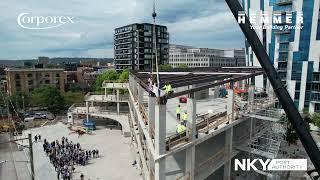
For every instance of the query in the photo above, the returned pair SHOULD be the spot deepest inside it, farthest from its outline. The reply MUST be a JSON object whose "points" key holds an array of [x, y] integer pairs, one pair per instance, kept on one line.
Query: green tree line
{"points": [[111, 76], [47, 97]]}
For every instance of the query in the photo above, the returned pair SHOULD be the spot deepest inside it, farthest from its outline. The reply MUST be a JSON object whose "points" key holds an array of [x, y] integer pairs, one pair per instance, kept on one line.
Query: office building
{"points": [[27, 80], [294, 51], [205, 57], [133, 46]]}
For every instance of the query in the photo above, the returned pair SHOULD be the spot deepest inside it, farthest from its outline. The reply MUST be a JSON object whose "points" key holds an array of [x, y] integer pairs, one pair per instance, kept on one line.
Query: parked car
{"points": [[43, 116], [27, 119], [28, 114], [37, 115]]}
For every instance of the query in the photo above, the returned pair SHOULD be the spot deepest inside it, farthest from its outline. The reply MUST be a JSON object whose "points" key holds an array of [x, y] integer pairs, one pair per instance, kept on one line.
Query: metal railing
{"points": [[101, 97], [113, 85], [214, 125]]}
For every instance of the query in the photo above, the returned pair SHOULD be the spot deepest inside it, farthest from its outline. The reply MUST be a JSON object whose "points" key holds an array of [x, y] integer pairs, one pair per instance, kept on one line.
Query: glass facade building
{"points": [[133, 46], [295, 51]]}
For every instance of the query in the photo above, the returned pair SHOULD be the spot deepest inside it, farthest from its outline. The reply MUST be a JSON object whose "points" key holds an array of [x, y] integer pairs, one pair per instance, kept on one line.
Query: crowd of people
{"points": [[65, 154]]}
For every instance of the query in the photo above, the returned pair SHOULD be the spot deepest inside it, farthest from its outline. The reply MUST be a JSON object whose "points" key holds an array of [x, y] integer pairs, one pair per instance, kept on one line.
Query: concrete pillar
{"points": [[203, 94], [228, 154], [229, 132], [140, 93], [216, 92], [160, 140], [87, 110], [191, 133], [192, 112], [250, 96], [134, 87], [311, 107], [118, 101], [151, 113], [230, 105], [252, 123]]}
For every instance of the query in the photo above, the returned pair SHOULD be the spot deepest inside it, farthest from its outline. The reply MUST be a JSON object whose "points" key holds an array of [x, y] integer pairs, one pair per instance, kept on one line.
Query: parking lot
{"points": [[38, 115]]}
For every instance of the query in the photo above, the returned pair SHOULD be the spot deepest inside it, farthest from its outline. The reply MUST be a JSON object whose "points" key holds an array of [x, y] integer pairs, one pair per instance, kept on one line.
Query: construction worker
{"points": [[181, 128], [185, 118], [178, 110], [167, 88]]}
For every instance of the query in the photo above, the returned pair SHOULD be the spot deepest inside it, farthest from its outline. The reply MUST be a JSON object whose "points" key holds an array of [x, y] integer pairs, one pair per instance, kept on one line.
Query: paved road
{"points": [[43, 167], [13, 165]]}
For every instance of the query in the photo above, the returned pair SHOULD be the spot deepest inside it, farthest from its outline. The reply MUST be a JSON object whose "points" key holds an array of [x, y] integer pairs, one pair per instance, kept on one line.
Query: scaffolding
{"points": [[267, 129]]}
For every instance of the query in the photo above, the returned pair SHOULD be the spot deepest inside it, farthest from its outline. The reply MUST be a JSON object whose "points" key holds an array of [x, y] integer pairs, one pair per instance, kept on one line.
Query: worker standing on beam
{"points": [[185, 118], [181, 128], [167, 88], [178, 110]]}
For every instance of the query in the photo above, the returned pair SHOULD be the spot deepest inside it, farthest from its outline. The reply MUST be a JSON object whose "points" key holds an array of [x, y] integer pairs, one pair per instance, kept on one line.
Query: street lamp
{"points": [[22, 103]]}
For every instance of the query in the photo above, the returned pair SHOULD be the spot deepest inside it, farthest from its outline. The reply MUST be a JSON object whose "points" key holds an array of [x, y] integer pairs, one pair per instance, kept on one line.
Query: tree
{"points": [[20, 100], [290, 136], [306, 116], [110, 75], [315, 118], [72, 97], [28, 64], [124, 76], [49, 97], [51, 66], [182, 66], [165, 67]]}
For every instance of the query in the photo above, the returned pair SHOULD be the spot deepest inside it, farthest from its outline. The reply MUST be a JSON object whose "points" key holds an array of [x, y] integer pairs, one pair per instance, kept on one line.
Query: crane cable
{"points": [[154, 15]]}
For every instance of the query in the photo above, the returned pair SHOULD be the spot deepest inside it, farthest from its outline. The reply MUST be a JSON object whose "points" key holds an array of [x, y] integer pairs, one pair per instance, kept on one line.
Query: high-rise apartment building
{"points": [[133, 46], [205, 57], [293, 50]]}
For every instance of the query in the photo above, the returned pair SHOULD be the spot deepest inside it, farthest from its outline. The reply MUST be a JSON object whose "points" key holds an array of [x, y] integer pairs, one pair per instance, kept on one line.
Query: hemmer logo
{"points": [[277, 20], [27, 21], [271, 165]]}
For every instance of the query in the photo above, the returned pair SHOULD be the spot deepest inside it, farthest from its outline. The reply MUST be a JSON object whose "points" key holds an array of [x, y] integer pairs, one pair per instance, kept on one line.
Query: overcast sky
{"points": [[201, 23]]}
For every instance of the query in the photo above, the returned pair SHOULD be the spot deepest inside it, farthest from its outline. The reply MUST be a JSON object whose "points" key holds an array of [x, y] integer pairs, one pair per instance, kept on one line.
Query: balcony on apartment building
{"points": [[283, 31], [282, 69], [282, 59], [284, 2]]}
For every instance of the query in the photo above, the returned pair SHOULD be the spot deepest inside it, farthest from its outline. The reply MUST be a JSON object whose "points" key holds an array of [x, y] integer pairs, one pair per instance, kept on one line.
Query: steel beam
{"points": [[199, 80], [235, 79], [208, 69]]}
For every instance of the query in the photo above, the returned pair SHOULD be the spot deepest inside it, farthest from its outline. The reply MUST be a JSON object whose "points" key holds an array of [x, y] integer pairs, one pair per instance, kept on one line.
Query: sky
{"points": [[199, 23]]}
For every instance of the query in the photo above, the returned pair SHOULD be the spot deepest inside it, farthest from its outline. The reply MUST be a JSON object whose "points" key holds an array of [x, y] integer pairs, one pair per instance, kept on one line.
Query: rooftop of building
{"points": [[32, 69], [178, 46], [140, 24]]}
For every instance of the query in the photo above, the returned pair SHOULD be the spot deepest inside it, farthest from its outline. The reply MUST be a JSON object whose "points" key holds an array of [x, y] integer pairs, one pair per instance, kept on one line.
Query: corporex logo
{"points": [[26, 21]]}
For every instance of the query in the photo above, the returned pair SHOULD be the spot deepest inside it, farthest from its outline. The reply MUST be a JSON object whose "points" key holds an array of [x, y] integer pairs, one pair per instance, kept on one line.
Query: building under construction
{"points": [[244, 122], [228, 118]]}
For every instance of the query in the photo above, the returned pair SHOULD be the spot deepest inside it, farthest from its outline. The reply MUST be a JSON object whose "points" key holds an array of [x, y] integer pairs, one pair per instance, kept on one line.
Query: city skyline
{"points": [[91, 35]]}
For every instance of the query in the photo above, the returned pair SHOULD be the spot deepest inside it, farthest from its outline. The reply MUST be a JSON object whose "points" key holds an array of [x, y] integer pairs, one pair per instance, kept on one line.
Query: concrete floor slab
{"points": [[114, 163], [212, 105]]}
